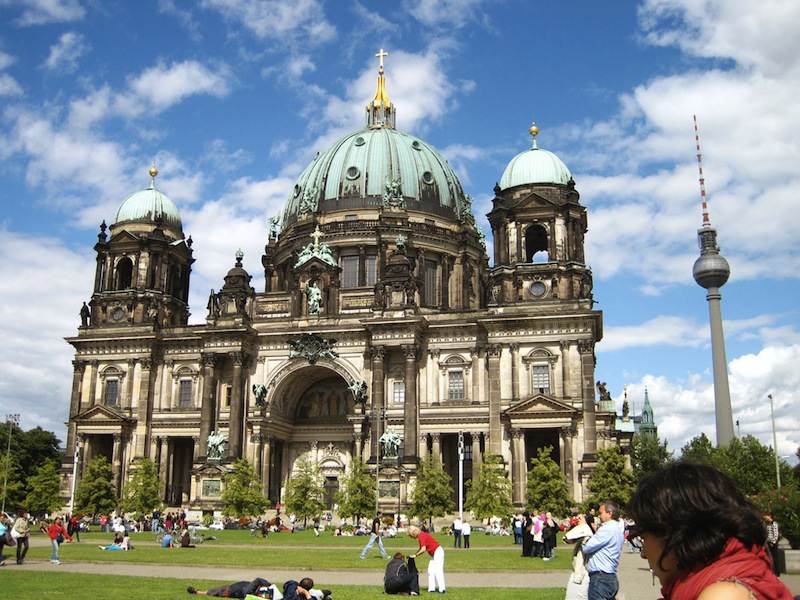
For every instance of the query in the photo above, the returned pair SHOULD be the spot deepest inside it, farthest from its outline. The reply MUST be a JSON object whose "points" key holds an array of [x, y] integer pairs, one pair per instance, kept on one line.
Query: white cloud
{"points": [[42, 12], [275, 20], [36, 360], [9, 86], [446, 14], [162, 86], [685, 409], [65, 54]]}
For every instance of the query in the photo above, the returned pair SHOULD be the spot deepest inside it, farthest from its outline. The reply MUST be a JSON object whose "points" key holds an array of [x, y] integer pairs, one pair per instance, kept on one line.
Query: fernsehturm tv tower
{"points": [[711, 271]]}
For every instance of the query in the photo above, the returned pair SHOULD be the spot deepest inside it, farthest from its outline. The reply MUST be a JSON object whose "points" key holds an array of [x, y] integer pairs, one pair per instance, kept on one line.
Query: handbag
{"points": [[412, 565], [9, 539], [60, 539]]}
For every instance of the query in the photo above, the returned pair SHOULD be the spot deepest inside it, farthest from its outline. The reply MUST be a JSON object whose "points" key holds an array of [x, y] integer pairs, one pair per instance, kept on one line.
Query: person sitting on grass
{"points": [[398, 579], [168, 541], [120, 543]]}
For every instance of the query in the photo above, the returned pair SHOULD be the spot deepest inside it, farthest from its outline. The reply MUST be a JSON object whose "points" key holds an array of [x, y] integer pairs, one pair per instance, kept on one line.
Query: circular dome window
{"points": [[353, 173], [416, 145], [359, 141], [427, 177]]}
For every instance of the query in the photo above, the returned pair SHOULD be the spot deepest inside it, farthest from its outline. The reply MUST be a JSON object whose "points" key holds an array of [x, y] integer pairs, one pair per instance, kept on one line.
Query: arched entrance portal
{"points": [[315, 418]]}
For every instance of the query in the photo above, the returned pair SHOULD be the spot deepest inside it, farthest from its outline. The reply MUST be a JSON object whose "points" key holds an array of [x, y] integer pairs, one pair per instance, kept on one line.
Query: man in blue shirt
{"points": [[604, 549]]}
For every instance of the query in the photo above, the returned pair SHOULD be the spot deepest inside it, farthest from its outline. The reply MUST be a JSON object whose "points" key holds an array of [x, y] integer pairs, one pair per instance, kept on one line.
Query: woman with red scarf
{"points": [[703, 539]]}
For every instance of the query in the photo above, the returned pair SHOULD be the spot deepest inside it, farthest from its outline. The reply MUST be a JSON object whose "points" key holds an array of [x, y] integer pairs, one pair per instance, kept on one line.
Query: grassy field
{"points": [[74, 586], [304, 550], [301, 550]]}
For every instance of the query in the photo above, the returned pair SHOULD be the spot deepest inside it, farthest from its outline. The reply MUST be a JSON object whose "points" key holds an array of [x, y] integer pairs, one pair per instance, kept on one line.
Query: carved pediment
{"points": [[100, 415], [212, 471], [123, 236], [539, 405]]}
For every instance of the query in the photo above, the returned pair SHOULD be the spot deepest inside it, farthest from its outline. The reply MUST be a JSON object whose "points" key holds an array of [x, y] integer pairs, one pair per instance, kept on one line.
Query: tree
{"points": [[44, 495], [304, 492], [357, 496], [11, 479], [612, 479], [746, 460], [699, 449], [432, 495], [28, 451], [648, 455], [547, 487], [489, 494], [242, 495], [95, 494], [140, 495]]}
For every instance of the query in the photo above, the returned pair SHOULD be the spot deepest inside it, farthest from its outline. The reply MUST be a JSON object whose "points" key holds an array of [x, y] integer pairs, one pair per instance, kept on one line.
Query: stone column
{"points": [[169, 385], [144, 409], [436, 446], [567, 437], [434, 377], [127, 401], [163, 466], [78, 367], [423, 445], [207, 409], [495, 428], [477, 459], [514, 371], [476, 375], [518, 466], [266, 463], [358, 439], [93, 378], [236, 425], [410, 425], [378, 354], [586, 350], [565, 379], [116, 463]]}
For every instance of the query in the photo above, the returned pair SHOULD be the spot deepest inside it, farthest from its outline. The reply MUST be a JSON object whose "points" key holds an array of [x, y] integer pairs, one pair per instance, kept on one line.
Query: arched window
{"points": [[539, 364], [535, 241], [124, 273]]}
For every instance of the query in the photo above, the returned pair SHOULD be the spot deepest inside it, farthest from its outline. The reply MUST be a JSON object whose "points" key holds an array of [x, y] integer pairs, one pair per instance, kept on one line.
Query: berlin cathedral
{"points": [[381, 320]]}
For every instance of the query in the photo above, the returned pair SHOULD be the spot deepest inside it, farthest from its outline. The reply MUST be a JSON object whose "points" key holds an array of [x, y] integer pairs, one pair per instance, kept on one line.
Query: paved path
{"points": [[636, 583]]}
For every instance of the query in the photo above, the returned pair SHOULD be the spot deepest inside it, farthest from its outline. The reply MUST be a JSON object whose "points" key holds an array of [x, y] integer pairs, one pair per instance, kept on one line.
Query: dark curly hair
{"points": [[695, 509]]}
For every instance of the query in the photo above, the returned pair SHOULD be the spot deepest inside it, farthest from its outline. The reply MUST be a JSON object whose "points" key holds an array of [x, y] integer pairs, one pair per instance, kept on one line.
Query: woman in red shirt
{"points": [[53, 531], [436, 565]]}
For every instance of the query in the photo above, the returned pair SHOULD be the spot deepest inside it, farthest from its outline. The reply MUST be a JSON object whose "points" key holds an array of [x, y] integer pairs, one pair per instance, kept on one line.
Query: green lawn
{"points": [[304, 550], [38, 584]]}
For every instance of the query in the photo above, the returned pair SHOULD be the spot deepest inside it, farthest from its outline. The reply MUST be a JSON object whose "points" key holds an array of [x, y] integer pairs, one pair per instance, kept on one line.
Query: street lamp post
{"points": [[379, 414], [461, 475], [775, 442], [13, 421]]}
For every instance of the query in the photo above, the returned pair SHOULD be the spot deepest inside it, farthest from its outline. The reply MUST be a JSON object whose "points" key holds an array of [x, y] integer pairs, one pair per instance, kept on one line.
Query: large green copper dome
{"points": [[376, 166]]}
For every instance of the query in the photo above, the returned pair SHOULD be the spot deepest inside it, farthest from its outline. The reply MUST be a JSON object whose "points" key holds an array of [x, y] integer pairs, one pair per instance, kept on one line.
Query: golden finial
{"points": [[534, 131], [153, 171]]}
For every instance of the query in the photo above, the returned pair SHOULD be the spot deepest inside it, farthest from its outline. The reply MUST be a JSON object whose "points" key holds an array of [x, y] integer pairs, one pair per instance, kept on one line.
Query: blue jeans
{"points": [[371, 542], [55, 550], [603, 586]]}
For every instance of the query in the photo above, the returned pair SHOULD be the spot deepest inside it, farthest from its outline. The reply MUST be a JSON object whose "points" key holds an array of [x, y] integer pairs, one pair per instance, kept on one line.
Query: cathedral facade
{"points": [[382, 332]]}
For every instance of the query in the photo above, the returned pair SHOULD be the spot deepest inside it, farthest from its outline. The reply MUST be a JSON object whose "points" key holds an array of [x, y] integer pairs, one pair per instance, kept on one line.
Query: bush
{"points": [[784, 504]]}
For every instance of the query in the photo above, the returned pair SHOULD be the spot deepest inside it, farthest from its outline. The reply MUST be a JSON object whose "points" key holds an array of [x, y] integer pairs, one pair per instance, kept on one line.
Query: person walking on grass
{"points": [[54, 531], [375, 534]]}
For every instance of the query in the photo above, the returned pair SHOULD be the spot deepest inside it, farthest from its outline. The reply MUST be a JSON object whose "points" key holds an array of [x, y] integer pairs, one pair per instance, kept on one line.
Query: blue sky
{"points": [[232, 98]]}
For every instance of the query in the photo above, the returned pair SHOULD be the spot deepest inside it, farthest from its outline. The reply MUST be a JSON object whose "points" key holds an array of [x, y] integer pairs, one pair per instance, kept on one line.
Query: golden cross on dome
{"points": [[316, 235], [380, 55]]}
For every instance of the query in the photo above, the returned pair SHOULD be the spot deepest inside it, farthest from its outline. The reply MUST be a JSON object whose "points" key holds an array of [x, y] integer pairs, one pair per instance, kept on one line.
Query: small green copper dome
{"points": [[149, 206], [534, 166]]}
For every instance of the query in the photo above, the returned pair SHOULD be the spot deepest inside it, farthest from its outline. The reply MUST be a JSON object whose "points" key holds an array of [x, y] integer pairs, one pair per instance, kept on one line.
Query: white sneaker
{"points": [[56, 562]]}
